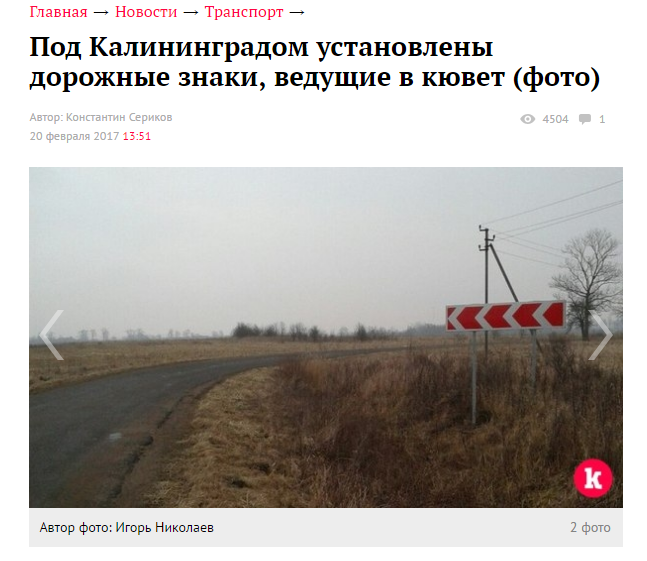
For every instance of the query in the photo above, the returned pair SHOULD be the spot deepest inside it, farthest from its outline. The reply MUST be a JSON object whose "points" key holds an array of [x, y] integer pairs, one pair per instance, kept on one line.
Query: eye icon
{"points": [[527, 119]]}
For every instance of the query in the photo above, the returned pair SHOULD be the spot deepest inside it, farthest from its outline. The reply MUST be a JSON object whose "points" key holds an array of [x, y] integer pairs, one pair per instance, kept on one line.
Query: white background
{"points": [[342, 127]]}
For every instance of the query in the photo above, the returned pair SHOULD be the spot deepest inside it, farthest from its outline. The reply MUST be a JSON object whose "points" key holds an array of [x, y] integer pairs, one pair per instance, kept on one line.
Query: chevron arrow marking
{"points": [[510, 315]]}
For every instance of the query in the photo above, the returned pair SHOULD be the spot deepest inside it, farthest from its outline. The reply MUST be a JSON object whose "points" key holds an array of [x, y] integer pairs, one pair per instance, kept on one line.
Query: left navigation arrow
{"points": [[43, 335]]}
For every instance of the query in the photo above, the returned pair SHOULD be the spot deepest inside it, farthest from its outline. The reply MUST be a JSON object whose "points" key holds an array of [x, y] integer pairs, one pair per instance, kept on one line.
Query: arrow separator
{"points": [[539, 314], [452, 318], [508, 316], [450, 326], [604, 342], [479, 317], [43, 335]]}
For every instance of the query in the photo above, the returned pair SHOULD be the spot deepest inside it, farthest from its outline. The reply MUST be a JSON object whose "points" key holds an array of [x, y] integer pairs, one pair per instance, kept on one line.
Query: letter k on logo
{"points": [[593, 478]]}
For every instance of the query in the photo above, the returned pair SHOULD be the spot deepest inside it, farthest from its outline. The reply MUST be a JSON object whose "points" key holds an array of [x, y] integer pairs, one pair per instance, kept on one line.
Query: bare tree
{"points": [[361, 333], [592, 280], [314, 333], [298, 332]]}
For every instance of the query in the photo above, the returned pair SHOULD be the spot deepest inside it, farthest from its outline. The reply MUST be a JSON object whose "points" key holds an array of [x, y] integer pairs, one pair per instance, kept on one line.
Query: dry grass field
{"points": [[236, 453], [394, 431], [86, 360]]}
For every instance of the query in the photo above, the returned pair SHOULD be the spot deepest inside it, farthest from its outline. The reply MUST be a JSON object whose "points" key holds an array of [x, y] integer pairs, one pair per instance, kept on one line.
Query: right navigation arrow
{"points": [[604, 342]]}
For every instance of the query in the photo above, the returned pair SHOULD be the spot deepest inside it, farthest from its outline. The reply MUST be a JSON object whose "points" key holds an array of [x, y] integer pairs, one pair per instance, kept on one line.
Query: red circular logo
{"points": [[593, 478]]}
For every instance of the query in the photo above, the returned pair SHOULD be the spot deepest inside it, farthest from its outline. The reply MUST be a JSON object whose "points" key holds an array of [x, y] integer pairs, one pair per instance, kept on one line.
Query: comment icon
{"points": [[585, 118]]}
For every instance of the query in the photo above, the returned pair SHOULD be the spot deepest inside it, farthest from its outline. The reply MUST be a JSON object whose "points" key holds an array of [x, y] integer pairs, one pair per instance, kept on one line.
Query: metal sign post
{"points": [[506, 316], [474, 377], [533, 357]]}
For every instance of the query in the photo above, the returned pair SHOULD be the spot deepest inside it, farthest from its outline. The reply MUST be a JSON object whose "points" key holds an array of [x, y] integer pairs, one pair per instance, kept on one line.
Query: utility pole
{"points": [[533, 332], [505, 276], [486, 249]]}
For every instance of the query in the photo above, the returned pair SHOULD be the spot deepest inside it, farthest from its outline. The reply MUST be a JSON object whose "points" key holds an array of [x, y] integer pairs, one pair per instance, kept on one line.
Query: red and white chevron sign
{"points": [[515, 315]]}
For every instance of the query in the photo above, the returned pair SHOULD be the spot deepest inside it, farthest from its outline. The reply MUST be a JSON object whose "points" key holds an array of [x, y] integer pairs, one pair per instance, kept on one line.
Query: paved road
{"points": [[85, 438]]}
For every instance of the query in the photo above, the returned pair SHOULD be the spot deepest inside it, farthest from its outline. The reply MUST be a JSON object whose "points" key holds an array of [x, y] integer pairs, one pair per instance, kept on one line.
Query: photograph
{"points": [[325, 337]]}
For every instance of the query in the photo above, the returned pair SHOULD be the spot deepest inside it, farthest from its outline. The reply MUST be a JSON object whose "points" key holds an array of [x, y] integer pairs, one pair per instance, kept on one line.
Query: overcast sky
{"points": [[202, 249]]}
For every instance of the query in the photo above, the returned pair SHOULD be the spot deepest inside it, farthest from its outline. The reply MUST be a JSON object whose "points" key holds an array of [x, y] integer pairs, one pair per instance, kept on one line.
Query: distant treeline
{"points": [[293, 332], [300, 332]]}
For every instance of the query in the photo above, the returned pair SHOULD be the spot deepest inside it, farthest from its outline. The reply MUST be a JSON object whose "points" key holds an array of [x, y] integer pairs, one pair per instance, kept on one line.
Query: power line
{"points": [[529, 259], [559, 220], [552, 253], [553, 222], [498, 232], [568, 218], [555, 202]]}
